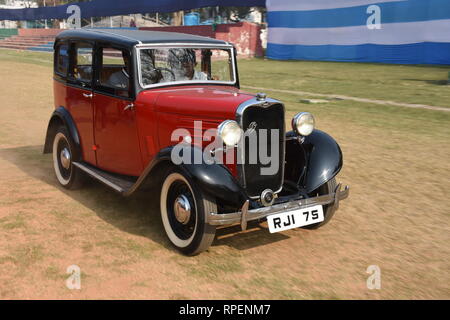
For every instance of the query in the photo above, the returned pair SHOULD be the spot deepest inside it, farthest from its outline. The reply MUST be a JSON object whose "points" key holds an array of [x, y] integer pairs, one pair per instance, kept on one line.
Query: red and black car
{"points": [[145, 111]]}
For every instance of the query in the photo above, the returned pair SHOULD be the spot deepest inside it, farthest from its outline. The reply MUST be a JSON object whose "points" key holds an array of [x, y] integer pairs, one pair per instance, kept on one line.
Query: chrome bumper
{"points": [[246, 215]]}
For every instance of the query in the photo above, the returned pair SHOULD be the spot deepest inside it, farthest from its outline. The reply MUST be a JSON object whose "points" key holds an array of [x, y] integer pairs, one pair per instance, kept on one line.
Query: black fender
{"points": [[213, 179], [314, 161], [62, 116]]}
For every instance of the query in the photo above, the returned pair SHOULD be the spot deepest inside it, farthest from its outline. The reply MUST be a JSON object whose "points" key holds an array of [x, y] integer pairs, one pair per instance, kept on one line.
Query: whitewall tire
{"points": [[66, 173], [183, 213]]}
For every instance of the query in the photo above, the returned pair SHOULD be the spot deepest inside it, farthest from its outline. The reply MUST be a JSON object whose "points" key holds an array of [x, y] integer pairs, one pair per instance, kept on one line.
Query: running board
{"points": [[119, 183]]}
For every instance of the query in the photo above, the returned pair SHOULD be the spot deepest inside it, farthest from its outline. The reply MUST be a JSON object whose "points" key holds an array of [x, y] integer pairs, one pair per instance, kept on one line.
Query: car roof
{"points": [[135, 37]]}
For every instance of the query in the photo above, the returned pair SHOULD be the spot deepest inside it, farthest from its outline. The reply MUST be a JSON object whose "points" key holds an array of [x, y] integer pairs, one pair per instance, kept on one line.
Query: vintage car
{"points": [[145, 111]]}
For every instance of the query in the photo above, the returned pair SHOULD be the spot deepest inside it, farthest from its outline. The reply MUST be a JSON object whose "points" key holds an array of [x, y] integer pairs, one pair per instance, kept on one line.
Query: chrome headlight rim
{"points": [[303, 123], [221, 132]]}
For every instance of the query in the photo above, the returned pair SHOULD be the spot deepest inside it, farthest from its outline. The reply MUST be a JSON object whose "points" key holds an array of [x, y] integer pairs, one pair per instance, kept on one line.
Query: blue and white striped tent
{"points": [[389, 31]]}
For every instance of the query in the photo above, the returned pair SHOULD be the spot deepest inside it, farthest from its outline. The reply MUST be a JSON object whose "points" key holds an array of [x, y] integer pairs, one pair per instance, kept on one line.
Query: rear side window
{"points": [[115, 69], [114, 75], [62, 59], [82, 64]]}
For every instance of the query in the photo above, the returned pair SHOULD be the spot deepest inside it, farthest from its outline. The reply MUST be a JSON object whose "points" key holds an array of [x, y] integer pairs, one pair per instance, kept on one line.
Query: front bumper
{"points": [[245, 215]]}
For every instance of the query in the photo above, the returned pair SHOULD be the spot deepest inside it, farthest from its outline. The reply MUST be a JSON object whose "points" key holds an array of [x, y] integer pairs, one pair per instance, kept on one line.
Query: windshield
{"points": [[185, 65]]}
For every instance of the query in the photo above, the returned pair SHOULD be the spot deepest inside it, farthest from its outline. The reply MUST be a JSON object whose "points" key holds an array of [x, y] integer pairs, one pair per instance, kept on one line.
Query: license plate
{"points": [[295, 218]]}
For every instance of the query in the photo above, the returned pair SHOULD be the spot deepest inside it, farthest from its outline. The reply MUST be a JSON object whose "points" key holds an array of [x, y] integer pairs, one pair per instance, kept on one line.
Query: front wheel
{"points": [[328, 210], [183, 212]]}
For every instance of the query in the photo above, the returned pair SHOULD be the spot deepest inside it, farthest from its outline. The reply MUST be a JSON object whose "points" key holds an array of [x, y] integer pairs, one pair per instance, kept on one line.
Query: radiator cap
{"points": [[260, 96]]}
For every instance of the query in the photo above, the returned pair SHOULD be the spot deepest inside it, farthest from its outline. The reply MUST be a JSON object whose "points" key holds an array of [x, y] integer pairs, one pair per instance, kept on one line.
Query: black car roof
{"points": [[134, 37]]}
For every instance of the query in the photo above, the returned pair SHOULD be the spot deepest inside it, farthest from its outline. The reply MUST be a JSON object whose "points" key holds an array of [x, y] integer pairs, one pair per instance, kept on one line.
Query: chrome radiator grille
{"points": [[254, 118]]}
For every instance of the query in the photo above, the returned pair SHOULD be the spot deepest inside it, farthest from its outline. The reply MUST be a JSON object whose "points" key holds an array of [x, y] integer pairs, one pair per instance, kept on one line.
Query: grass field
{"points": [[397, 217], [410, 84]]}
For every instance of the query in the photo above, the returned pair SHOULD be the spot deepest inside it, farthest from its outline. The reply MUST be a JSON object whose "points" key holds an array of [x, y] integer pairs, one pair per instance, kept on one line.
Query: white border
{"points": [[389, 34], [313, 5]]}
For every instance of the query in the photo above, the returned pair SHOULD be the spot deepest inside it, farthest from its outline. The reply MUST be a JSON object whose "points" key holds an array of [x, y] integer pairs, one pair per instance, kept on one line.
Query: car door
{"points": [[115, 129], [79, 95]]}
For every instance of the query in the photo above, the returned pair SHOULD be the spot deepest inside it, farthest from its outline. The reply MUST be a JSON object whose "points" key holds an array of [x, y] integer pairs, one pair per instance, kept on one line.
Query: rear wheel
{"points": [[328, 210], [183, 212], [68, 175]]}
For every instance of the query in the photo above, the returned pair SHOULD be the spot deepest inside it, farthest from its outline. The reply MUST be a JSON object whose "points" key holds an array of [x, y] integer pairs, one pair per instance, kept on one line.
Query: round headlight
{"points": [[230, 132], [303, 123]]}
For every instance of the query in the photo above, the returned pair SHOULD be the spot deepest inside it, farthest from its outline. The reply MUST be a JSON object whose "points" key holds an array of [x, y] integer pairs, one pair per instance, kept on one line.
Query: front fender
{"points": [[316, 160], [213, 179]]}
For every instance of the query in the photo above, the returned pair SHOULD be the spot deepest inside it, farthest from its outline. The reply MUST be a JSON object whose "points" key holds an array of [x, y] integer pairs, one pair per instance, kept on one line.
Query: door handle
{"points": [[129, 107], [88, 95]]}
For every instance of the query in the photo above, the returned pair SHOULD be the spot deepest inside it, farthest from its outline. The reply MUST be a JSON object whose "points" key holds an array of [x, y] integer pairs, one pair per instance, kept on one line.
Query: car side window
{"points": [[81, 68], [114, 73], [62, 60]]}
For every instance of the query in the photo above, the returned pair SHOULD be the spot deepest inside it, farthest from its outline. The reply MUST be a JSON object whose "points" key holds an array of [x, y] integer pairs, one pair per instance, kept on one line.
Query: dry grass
{"points": [[397, 217]]}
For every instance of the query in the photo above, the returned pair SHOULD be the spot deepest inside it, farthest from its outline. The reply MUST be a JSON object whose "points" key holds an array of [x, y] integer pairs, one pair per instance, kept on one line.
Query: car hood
{"points": [[212, 102]]}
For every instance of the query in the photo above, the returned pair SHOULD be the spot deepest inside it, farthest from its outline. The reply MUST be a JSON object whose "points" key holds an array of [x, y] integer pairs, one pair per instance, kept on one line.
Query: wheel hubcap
{"points": [[182, 209], [65, 158]]}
